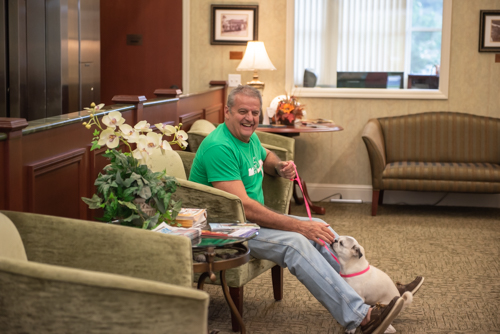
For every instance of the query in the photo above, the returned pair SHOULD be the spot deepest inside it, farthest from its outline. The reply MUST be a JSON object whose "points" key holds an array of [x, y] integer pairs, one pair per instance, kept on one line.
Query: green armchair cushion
{"points": [[122, 250], [86, 277]]}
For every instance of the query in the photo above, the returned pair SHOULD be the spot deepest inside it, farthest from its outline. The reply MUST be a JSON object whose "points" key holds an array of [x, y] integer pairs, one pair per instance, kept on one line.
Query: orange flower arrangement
{"points": [[288, 110]]}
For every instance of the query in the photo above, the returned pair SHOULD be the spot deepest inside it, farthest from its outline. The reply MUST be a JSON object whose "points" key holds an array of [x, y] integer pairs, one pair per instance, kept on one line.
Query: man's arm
{"points": [[275, 167], [259, 214]]}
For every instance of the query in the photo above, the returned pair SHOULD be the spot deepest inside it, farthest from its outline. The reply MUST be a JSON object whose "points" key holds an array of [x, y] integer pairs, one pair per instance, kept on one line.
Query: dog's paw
{"points": [[390, 329], [350, 331]]}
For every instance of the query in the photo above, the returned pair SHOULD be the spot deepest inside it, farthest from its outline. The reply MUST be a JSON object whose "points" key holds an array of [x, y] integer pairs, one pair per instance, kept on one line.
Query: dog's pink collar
{"points": [[358, 273]]}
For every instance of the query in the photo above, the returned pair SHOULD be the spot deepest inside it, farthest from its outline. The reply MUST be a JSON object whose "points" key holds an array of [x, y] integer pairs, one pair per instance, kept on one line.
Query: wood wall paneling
{"points": [[213, 113], [56, 185], [140, 69], [3, 174], [48, 170], [162, 112], [189, 118]]}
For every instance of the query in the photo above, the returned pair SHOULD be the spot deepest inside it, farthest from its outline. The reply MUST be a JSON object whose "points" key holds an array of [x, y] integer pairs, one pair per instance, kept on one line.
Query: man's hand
{"points": [[314, 231], [286, 169]]}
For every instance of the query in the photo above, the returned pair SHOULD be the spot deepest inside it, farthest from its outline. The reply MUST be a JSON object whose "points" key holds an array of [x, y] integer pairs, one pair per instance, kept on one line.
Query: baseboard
{"points": [[321, 192]]}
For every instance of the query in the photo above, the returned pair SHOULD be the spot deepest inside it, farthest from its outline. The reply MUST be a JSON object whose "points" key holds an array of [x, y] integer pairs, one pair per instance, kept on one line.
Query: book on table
{"points": [[231, 230], [192, 233], [188, 217]]}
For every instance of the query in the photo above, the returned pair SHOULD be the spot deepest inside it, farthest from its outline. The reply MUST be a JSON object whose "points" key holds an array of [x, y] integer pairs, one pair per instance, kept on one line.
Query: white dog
{"points": [[372, 285]]}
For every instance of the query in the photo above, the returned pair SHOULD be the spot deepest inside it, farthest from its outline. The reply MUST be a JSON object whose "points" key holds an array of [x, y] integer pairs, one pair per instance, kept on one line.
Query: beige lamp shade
{"points": [[255, 59]]}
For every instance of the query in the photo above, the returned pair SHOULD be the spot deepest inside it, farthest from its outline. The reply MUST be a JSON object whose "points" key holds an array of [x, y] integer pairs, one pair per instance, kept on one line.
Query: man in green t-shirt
{"points": [[232, 159]]}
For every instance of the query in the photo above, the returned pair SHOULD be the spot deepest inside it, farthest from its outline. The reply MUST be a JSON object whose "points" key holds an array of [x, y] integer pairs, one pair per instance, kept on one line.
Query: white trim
{"points": [[318, 191], [185, 45], [422, 94]]}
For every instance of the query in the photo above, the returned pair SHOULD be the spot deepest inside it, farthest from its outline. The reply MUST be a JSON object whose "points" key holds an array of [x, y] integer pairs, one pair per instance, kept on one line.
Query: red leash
{"points": [[297, 178]]}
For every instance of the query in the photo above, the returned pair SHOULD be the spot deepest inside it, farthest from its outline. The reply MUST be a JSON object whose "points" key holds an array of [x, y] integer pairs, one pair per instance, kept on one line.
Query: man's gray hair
{"points": [[243, 90]]}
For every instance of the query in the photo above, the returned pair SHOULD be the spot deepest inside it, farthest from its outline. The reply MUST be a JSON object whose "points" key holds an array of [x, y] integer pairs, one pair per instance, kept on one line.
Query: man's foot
{"points": [[382, 316], [412, 287]]}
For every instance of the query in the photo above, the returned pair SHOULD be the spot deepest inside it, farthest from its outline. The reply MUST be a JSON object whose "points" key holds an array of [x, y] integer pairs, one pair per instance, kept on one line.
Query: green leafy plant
{"points": [[128, 190]]}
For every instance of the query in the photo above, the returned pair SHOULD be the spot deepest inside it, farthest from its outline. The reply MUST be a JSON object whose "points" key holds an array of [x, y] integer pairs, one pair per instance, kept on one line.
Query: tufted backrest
{"points": [[441, 137], [11, 245]]}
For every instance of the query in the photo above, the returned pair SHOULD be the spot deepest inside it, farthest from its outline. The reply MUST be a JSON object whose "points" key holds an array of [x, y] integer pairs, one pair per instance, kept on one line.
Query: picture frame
{"points": [[233, 24], [489, 31]]}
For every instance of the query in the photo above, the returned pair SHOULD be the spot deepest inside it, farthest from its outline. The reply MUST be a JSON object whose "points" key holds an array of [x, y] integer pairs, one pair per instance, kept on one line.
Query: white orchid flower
{"points": [[142, 126], [129, 133], [94, 107], [182, 137], [109, 138], [141, 155], [113, 119], [154, 140], [166, 129]]}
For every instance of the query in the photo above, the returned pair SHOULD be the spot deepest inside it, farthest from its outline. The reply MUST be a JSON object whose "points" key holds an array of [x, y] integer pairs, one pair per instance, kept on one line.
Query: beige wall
{"points": [[341, 158]]}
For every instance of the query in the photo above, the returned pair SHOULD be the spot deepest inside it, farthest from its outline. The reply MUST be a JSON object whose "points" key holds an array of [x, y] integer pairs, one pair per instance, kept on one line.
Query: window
{"points": [[389, 40]]}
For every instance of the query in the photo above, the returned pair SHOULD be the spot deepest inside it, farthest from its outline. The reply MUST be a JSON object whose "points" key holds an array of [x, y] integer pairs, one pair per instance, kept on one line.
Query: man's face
{"points": [[243, 118]]}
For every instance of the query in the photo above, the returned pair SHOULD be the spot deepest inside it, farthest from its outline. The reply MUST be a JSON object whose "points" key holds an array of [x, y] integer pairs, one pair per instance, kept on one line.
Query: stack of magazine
{"points": [[192, 233], [232, 230]]}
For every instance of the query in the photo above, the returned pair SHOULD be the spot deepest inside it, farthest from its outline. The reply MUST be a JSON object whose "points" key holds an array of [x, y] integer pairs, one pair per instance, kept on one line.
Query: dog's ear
{"points": [[357, 251]]}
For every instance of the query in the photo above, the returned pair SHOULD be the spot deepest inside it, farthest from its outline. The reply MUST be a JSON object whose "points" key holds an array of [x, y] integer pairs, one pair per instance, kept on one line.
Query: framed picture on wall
{"points": [[489, 31], [234, 24]]}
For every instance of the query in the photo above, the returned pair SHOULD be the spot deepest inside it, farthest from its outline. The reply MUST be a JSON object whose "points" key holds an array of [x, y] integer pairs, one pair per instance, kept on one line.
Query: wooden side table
{"points": [[212, 249], [295, 130]]}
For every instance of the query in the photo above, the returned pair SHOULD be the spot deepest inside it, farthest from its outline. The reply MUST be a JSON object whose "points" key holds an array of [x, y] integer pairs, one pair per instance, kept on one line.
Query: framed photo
{"points": [[489, 31], [234, 24]]}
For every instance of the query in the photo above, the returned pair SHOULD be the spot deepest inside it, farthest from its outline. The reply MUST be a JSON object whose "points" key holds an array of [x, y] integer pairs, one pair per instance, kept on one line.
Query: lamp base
{"points": [[256, 83]]}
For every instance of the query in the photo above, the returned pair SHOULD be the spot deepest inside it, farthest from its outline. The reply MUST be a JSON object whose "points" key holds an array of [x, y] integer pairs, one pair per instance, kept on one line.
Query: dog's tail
{"points": [[408, 298]]}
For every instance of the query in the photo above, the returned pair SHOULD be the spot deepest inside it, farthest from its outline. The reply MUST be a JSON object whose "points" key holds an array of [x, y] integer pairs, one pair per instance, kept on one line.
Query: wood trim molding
{"points": [[190, 118], [129, 98], [52, 164], [161, 92]]}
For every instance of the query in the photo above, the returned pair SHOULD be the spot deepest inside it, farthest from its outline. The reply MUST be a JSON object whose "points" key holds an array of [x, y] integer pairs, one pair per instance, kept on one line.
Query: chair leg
{"points": [[277, 278], [237, 297], [381, 198], [375, 197]]}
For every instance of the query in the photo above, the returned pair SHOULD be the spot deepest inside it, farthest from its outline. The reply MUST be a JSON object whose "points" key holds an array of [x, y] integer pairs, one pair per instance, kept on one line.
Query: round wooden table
{"points": [[210, 247]]}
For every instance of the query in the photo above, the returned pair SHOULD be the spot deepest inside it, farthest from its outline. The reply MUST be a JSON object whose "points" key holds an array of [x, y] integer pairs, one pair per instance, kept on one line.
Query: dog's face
{"points": [[348, 248]]}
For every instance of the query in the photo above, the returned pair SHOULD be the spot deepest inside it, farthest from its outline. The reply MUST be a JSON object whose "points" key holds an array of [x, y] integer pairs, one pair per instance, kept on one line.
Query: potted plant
{"points": [[129, 191]]}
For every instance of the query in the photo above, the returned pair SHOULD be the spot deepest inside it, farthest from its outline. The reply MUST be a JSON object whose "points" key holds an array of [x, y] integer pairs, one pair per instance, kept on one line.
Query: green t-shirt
{"points": [[222, 157]]}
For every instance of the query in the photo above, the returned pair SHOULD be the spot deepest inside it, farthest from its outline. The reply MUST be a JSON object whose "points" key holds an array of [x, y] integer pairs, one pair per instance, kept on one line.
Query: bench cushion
{"points": [[451, 171]]}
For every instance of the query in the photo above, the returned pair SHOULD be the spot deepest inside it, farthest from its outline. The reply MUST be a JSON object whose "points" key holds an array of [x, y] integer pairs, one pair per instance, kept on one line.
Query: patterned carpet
{"points": [[457, 250]]}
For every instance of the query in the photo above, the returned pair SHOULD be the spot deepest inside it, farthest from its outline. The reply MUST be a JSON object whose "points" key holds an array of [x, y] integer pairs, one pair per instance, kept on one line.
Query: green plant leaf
{"points": [[131, 217], [94, 202], [95, 145], [129, 205], [145, 192], [176, 208]]}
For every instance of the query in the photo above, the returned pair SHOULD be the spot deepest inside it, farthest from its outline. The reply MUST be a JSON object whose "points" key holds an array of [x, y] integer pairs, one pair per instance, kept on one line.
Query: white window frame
{"points": [[360, 93]]}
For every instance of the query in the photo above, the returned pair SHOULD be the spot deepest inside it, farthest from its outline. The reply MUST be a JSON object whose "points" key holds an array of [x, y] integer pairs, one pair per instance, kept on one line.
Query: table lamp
{"points": [[255, 59]]}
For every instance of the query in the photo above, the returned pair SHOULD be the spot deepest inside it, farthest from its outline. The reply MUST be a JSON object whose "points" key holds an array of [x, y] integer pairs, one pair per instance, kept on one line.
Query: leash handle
{"points": [[297, 178]]}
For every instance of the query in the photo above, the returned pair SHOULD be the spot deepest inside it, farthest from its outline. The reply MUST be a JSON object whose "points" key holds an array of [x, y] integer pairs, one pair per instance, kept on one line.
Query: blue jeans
{"points": [[314, 267]]}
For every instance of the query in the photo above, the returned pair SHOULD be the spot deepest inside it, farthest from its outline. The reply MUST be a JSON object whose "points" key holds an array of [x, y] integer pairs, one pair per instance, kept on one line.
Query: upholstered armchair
{"points": [[223, 205], [61, 275]]}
